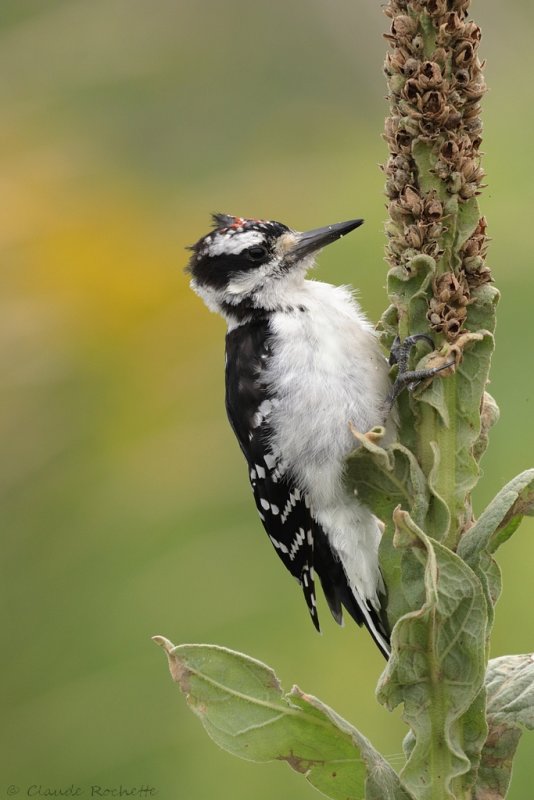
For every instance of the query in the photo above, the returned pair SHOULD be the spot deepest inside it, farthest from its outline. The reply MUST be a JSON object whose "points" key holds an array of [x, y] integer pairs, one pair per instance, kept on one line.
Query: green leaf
{"points": [[494, 526], [510, 685], [510, 707], [407, 288], [448, 443], [482, 308], [386, 478], [425, 159], [403, 576], [489, 416], [468, 219], [242, 707], [437, 667], [382, 782], [500, 519]]}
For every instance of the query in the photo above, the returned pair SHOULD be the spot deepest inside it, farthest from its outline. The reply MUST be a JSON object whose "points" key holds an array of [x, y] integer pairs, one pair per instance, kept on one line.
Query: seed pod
{"points": [[436, 7], [410, 67], [472, 31], [411, 90], [435, 99], [403, 27], [464, 53], [417, 45], [430, 75]]}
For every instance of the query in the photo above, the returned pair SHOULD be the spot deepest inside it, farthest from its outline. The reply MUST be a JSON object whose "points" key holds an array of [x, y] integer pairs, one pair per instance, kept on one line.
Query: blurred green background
{"points": [[124, 499]]}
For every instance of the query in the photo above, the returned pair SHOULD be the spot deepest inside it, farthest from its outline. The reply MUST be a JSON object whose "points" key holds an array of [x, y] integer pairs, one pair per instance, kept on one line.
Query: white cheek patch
{"points": [[233, 242]]}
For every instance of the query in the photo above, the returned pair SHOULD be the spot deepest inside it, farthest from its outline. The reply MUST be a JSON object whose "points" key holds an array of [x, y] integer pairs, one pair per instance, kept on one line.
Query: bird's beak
{"points": [[311, 241]]}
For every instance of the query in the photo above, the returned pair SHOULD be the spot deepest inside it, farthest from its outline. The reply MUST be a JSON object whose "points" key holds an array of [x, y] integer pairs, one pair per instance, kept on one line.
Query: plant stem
{"points": [[434, 175], [439, 284]]}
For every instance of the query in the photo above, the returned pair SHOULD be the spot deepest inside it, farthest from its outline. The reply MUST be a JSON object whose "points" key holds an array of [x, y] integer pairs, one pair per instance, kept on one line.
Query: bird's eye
{"points": [[257, 252]]}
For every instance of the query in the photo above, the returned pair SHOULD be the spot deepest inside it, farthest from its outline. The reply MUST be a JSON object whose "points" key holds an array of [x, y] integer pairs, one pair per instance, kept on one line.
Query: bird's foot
{"points": [[406, 378]]}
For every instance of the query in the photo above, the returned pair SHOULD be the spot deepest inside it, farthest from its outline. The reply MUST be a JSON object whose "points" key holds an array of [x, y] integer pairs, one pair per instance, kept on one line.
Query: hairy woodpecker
{"points": [[302, 363]]}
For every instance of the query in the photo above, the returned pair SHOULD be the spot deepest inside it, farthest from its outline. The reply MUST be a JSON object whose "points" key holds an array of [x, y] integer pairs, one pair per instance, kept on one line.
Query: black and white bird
{"points": [[302, 364]]}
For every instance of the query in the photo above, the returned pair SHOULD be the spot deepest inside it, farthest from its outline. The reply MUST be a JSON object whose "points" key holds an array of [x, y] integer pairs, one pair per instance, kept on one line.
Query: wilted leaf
{"points": [[437, 665], [242, 707], [510, 707], [489, 416]]}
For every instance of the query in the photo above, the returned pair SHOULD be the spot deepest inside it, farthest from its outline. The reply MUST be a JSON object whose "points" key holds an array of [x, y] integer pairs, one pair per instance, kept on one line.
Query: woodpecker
{"points": [[303, 363]]}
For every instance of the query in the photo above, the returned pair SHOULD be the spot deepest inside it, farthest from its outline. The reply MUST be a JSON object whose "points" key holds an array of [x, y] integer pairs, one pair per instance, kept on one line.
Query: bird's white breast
{"points": [[327, 371]]}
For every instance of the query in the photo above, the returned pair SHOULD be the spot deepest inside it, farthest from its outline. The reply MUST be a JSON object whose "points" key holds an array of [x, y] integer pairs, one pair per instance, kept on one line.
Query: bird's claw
{"points": [[406, 378]]}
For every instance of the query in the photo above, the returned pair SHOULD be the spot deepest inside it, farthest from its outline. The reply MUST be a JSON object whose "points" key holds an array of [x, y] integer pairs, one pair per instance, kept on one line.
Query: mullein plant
{"points": [[465, 714]]}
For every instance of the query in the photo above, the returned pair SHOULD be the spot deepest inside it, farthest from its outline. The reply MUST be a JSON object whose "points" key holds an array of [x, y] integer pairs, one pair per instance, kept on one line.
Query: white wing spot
{"points": [[275, 509], [260, 471], [286, 511], [264, 504], [297, 542], [279, 545]]}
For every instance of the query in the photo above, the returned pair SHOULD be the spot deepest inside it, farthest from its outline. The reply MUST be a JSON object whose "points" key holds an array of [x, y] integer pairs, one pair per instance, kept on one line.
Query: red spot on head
{"points": [[241, 222], [238, 222]]}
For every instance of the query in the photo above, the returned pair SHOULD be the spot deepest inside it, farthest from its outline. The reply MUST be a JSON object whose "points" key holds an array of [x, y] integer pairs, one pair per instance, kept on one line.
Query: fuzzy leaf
{"points": [[447, 436], [468, 219], [437, 666], [510, 707], [494, 526], [449, 455], [510, 685], [489, 416], [481, 315], [425, 159], [407, 288], [384, 479], [500, 519], [243, 708]]}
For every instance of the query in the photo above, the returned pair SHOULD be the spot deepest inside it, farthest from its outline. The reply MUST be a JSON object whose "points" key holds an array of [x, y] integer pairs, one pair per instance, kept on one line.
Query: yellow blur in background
{"points": [[125, 510]]}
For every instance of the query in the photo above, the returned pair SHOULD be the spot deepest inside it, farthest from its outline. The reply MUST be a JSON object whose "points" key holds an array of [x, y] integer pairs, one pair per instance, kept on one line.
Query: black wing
{"points": [[297, 537]]}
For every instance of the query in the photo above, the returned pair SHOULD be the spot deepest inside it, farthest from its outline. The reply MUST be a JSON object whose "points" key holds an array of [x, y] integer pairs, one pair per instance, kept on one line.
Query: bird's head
{"points": [[248, 266]]}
